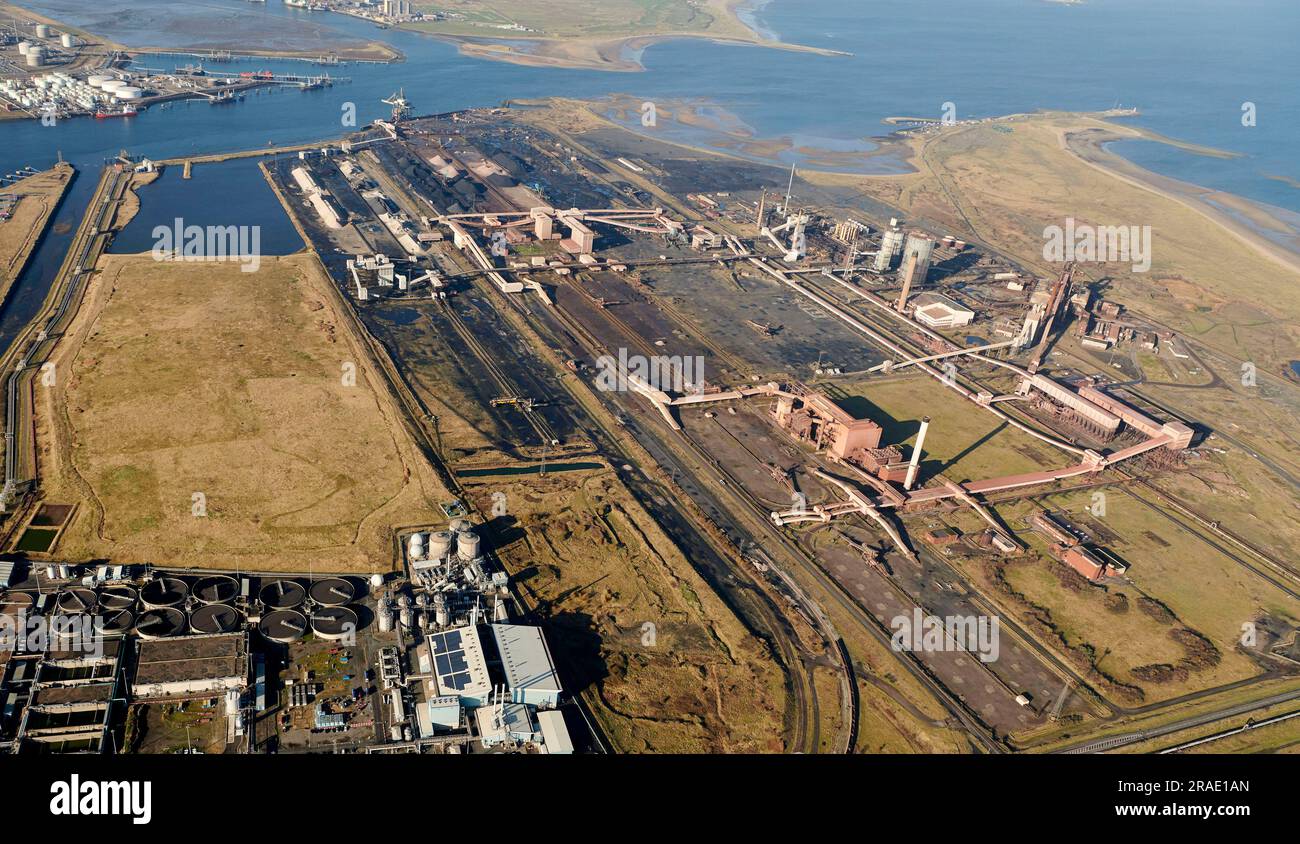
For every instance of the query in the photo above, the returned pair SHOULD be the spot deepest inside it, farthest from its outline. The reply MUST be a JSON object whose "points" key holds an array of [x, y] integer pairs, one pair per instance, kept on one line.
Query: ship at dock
{"points": [[126, 110]]}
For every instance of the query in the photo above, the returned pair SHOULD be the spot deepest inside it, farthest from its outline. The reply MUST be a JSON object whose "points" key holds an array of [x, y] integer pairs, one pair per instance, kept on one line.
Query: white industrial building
{"points": [[934, 310], [527, 665]]}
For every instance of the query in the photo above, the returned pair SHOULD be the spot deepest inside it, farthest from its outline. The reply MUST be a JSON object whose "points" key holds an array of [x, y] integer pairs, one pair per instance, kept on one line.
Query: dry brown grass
{"points": [[197, 378], [600, 569]]}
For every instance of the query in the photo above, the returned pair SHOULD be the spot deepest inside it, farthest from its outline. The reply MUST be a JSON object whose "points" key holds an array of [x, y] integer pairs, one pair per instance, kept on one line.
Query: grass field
{"points": [[963, 443], [1207, 591], [207, 420]]}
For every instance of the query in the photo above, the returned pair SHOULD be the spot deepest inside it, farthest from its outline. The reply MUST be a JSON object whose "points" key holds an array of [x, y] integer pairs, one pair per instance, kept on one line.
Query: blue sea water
{"points": [[1189, 65]]}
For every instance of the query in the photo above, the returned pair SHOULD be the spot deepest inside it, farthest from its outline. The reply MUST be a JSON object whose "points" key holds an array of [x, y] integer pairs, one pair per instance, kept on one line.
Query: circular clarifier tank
{"points": [[334, 623], [161, 622], [283, 594], [117, 621], [214, 618], [76, 600], [283, 626], [164, 592], [216, 589], [332, 592], [117, 597]]}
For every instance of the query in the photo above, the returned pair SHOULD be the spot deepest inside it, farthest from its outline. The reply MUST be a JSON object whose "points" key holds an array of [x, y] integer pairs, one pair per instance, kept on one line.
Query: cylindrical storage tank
{"points": [[164, 592], [42, 30], [440, 613], [415, 546], [385, 615], [112, 85], [23, 47], [129, 92], [36, 57], [467, 545], [376, 581], [439, 544], [98, 80], [68, 40]]}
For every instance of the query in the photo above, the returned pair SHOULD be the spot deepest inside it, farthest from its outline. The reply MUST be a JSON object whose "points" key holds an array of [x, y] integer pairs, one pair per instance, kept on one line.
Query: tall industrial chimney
{"points": [[915, 463]]}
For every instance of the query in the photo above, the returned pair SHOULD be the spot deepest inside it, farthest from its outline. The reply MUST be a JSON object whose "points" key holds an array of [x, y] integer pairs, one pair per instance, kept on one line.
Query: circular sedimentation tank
{"points": [[332, 592], [215, 589], [117, 621], [164, 592], [117, 597], [76, 600], [214, 618], [13, 603], [161, 622], [283, 626], [334, 623], [283, 594]]}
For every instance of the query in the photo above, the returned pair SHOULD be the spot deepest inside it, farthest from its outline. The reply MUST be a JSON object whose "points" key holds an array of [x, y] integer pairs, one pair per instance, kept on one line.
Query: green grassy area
{"points": [[963, 443]]}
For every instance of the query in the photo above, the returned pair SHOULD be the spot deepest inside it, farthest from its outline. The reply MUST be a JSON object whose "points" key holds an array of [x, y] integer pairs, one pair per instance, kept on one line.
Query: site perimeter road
{"points": [[38, 339], [1113, 742]]}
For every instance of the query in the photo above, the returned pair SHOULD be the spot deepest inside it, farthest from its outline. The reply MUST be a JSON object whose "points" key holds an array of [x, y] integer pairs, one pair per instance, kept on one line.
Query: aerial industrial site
{"points": [[565, 424]]}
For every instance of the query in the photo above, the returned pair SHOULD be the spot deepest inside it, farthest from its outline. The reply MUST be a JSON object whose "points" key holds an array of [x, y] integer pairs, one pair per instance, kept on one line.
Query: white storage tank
{"points": [[68, 40], [35, 56], [23, 47], [113, 85], [415, 547], [98, 80], [42, 30], [439, 544], [467, 545], [129, 92]]}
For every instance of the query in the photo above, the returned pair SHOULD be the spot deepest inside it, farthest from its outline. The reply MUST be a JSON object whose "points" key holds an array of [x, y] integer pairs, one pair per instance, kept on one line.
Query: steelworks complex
{"points": [[503, 232]]}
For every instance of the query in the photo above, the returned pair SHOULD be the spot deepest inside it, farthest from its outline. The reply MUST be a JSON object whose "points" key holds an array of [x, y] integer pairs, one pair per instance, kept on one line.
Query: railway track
{"points": [[40, 336]]}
